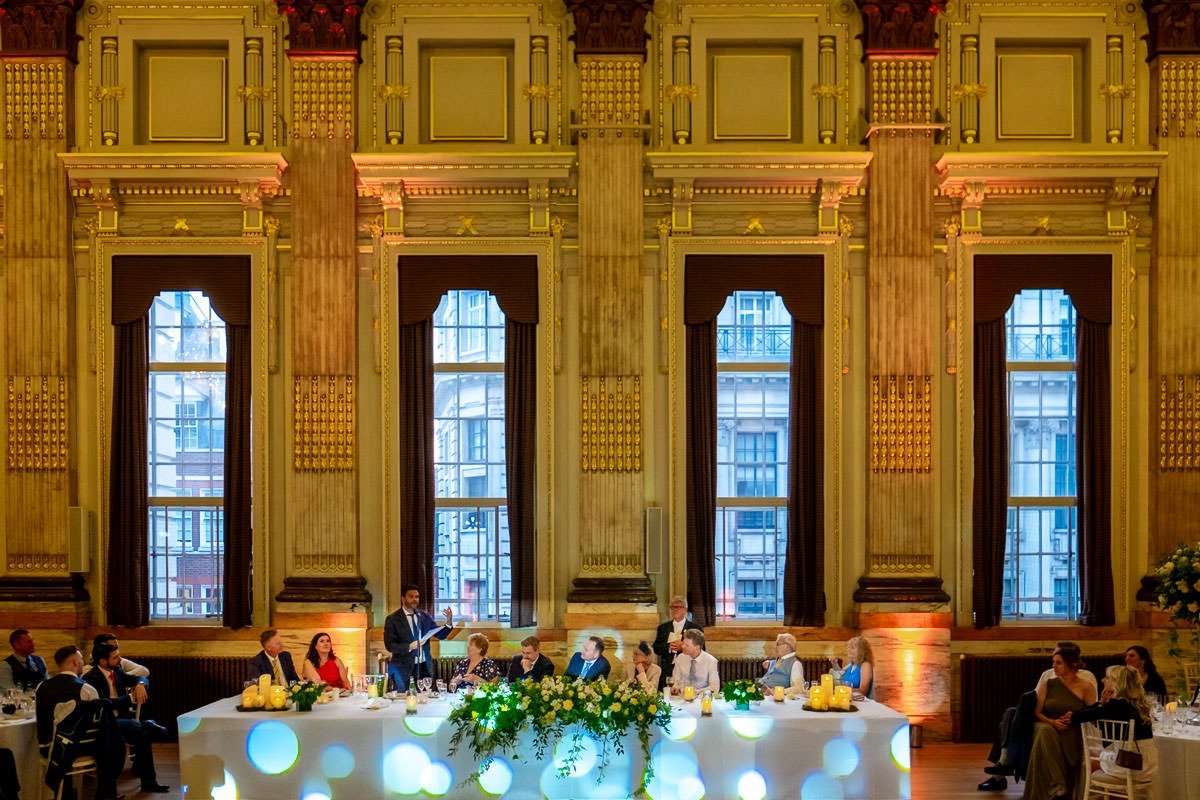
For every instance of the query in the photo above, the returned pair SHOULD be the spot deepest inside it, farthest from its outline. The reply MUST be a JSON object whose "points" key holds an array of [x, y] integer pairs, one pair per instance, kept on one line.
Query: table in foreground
{"points": [[342, 750], [1178, 763], [19, 734]]}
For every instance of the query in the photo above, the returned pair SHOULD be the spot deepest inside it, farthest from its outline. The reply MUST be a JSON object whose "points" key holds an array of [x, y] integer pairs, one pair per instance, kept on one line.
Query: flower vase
{"points": [[305, 703], [741, 705]]}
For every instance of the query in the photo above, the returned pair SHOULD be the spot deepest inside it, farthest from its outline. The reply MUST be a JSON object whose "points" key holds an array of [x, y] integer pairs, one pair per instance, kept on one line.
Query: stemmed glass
{"points": [[425, 683]]}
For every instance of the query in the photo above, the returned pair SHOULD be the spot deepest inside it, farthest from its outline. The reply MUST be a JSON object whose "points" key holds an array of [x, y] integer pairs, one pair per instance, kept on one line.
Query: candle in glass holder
{"points": [[264, 686], [278, 696], [689, 693], [372, 689], [410, 704], [841, 697], [827, 684], [817, 699], [778, 694], [706, 704], [1171, 707]]}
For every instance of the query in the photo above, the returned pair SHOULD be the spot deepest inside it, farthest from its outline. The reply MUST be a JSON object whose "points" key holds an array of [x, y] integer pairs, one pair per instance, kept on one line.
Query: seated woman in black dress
{"points": [[475, 668], [1138, 658], [1124, 699]]}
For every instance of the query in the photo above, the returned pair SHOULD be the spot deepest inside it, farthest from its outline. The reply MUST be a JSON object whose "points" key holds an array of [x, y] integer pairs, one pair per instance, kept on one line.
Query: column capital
{"points": [[610, 27], [39, 28], [1174, 27], [891, 27], [323, 27]]}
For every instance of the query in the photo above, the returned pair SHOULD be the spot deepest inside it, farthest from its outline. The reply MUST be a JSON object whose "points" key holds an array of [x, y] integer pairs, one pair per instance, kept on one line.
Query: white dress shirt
{"points": [[706, 671]]}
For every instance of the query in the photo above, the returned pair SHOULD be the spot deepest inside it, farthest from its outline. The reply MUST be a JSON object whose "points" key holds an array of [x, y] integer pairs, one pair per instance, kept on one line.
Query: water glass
{"points": [[441, 686]]}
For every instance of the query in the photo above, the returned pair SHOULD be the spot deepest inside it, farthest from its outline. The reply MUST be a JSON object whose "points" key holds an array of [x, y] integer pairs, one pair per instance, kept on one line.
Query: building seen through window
{"points": [[185, 446], [1041, 551], [472, 564], [754, 346]]}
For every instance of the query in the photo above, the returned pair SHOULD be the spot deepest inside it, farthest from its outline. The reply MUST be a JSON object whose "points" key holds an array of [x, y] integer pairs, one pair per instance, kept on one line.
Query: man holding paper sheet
{"points": [[668, 641], [406, 635]]}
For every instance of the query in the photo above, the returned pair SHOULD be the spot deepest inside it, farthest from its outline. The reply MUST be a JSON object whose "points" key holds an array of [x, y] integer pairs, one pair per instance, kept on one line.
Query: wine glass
{"points": [[425, 683]]}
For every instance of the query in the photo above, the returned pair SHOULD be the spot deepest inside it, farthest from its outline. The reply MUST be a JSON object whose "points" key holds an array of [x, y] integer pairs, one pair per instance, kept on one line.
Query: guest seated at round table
{"points": [[1124, 699], [1138, 659], [642, 670], [785, 669], [1054, 758], [321, 665], [475, 668], [859, 672]]}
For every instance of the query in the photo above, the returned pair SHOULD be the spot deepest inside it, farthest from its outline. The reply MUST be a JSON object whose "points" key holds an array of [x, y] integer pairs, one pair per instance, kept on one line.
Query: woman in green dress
{"points": [[1054, 759]]}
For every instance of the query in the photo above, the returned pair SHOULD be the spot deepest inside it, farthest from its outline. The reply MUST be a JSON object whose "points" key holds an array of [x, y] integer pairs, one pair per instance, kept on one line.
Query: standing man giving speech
{"points": [[406, 635]]}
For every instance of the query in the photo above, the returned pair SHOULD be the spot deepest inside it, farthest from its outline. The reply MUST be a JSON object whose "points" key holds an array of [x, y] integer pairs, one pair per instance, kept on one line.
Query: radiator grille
{"points": [[179, 684], [991, 684]]}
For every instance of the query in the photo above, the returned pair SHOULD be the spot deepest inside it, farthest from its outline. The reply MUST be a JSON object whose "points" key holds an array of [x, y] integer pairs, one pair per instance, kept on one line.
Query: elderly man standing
{"points": [[22, 669], [668, 640], [694, 667]]}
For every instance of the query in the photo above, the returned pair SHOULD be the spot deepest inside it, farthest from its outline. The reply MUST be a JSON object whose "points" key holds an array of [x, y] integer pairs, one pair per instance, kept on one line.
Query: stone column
{"points": [[37, 46], [322, 520], [1174, 419], [902, 307], [610, 51]]}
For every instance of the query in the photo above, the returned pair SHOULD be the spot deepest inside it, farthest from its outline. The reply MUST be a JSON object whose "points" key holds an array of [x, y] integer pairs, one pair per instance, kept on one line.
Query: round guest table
{"points": [[19, 734]]}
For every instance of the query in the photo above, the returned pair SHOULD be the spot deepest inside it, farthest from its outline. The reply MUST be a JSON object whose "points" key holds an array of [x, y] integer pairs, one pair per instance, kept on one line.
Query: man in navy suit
{"points": [[273, 660], [124, 691], [403, 633], [589, 664]]}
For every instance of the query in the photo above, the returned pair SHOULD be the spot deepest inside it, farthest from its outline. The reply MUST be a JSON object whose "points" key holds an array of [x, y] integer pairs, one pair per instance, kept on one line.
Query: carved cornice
{"points": [[224, 173], [38, 28], [1097, 173], [455, 175], [762, 173], [899, 26], [1174, 27], [610, 27], [323, 26]]}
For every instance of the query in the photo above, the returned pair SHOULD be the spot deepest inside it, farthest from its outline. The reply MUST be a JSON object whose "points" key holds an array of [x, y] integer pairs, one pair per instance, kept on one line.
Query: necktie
{"points": [[416, 635], [278, 671], [583, 672], [112, 684], [692, 673]]}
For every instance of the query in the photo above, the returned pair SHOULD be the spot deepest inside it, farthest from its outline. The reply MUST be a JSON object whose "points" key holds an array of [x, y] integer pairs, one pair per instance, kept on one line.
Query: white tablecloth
{"points": [[20, 736], [1178, 763], [344, 751]]}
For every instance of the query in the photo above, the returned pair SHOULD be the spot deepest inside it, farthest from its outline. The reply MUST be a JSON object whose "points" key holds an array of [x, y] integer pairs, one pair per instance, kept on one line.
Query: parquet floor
{"points": [[939, 772]]}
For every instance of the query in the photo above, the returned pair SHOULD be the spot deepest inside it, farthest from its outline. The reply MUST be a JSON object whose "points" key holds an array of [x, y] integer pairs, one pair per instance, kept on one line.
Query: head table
{"points": [[343, 750], [1178, 773]]}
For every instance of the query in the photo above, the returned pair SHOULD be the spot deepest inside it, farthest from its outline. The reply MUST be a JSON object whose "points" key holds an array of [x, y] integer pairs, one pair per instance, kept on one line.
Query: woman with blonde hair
{"points": [[859, 671], [1124, 699]]}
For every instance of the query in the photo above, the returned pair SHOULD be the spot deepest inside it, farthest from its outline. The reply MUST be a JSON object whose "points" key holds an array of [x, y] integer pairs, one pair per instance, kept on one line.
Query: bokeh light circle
{"points": [[753, 726], [227, 790], [681, 727], [422, 725], [404, 767], [675, 766], [188, 724], [496, 777], [752, 786], [819, 786], [272, 747], [437, 778], [585, 759], [337, 761], [840, 757], [900, 752], [691, 788], [315, 796]]}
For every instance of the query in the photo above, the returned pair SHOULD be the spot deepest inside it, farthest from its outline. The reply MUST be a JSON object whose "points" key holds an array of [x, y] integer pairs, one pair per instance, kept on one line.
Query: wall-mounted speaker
{"points": [[79, 539], [654, 540]]}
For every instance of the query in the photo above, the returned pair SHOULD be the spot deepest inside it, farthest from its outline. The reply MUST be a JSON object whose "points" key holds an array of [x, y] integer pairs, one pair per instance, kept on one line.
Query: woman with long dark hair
{"points": [[321, 665], [1138, 659]]}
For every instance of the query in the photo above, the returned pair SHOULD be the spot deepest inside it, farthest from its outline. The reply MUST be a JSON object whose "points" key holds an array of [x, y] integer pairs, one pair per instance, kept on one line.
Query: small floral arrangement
{"points": [[741, 691], [1179, 584], [491, 720], [305, 693]]}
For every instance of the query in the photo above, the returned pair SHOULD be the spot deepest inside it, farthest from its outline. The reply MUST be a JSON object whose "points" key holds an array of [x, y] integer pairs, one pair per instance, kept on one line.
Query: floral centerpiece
{"points": [[491, 721], [1179, 595], [305, 693], [741, 691]]}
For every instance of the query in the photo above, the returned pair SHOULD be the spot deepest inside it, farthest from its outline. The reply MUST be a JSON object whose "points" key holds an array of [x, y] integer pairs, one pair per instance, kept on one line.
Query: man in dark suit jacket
{"points": [[81, 714], [273, 660], [124, 692], [669, 637], [530, 663], [403, 632], [589, 664]]}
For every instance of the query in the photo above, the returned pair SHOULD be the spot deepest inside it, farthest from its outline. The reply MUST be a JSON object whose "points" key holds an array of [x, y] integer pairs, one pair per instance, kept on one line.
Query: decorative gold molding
{"points": [[245, 93], [324, 422], [901, 423], [1179, 423], [961, 91], [611, 418], [37, 422], [322, 98], [389, 90], [35, 96], [610, 93], [690, 90], [901, 563], [901, 90], [822, 91], [106, 92], [532, 90]]}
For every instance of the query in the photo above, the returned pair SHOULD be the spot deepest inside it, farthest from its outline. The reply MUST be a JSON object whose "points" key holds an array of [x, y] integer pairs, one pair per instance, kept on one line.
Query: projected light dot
{"points": [[840, 757], [819, 786], [751, 727], [403, 768], [337, 761], [227, 790], [905, 788], [691, 789], [272, 747], [900, 751], [752, 786], [854, 727], [188, 725], [496, 777], [585, 758], [437, 779], [422, 725], [682, 726], [315, 796], [673, 762]]}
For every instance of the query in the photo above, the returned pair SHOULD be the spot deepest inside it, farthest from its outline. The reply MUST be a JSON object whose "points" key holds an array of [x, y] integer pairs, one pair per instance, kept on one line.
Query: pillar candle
{"points": [[264, 686], [410, 704], [816, 699], [827, 684], [706, 705], [778, 694], [841, 697], [689, 693]]}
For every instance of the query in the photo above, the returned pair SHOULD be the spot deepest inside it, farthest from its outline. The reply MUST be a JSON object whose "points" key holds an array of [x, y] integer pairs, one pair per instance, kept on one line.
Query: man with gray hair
{"points": [[785, 669], [668, 639]]}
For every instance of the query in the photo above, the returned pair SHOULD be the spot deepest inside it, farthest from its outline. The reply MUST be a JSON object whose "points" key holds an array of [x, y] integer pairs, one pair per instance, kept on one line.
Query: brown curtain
{"points": [[1094, 460], [520, 425], [136, 281], [415, 362], [799, 280], [990, 492], [702, 470], [803, 572], [512, 280], [1087, 279], [127, 583]]}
